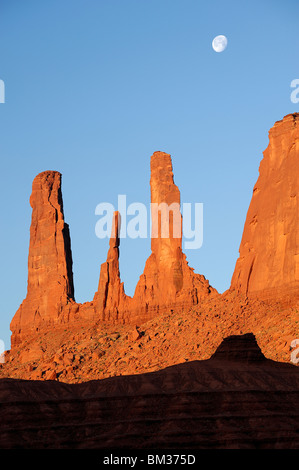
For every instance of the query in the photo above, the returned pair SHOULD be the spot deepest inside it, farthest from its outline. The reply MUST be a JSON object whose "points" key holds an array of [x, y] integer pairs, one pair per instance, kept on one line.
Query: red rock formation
{"points": [[50, 279], [167, 281], [268, 266], [267, 269], [110, 295]]}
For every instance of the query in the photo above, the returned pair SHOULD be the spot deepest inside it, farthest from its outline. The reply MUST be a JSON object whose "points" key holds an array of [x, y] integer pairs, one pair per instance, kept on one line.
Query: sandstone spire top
{"points": [[115, 231], [165, 200]]}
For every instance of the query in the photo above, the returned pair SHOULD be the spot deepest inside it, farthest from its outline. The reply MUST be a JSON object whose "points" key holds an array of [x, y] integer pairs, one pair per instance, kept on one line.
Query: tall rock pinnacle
{"points": [[268, 266], [107, 300], [50, 277], [166, 240], [167, 280]]}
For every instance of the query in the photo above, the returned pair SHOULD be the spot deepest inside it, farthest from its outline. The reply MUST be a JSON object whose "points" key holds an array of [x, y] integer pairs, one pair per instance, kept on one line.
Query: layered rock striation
{"points": [[268, 265], [237, 399]]}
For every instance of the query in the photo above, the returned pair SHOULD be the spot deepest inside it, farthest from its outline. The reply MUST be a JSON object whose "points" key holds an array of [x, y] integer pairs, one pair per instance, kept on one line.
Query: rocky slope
{"points": [[103, 350], [235, 399]]}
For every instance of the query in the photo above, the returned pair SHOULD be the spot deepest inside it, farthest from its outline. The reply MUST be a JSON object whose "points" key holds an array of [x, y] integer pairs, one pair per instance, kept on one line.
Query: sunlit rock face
{"points": [[167, 281], [50, 286], [268, 266]]}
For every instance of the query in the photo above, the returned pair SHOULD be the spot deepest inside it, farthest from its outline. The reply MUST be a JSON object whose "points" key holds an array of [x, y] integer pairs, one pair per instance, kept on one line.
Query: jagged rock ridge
{"points": [[167, 280], [267, 268]]}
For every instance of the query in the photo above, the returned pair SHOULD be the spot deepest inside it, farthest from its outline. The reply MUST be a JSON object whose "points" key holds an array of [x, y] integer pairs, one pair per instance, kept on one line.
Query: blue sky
{"points": [[93, 88]]}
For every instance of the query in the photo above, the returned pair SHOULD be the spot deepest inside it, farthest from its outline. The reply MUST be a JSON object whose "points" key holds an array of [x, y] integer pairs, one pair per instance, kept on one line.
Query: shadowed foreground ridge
{"points": [[236, 399]]}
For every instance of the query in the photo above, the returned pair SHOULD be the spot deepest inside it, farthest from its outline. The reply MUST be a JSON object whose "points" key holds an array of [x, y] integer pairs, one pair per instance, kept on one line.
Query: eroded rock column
{"points": [[50, 278]]}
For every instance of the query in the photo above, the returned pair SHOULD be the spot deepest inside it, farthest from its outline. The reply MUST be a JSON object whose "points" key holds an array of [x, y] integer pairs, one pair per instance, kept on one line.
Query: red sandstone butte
{"points": [[166, 283], [268, 265], [50, 278]]}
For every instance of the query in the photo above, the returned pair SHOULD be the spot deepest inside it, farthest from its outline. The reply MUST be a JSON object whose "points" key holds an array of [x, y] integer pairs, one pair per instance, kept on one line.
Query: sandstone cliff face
{"points": [[50, 278], [268, 266]]}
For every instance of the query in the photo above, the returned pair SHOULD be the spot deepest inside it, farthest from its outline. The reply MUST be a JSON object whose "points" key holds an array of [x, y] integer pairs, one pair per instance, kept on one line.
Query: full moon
{"points": [[219, 43]]}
